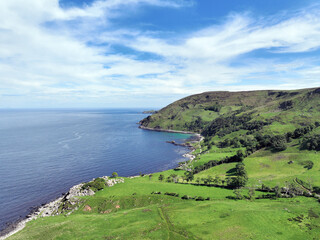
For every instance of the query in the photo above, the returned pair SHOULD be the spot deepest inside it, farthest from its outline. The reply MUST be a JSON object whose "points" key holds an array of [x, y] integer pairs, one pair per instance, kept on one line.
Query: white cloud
{"points": [[44, 56]]}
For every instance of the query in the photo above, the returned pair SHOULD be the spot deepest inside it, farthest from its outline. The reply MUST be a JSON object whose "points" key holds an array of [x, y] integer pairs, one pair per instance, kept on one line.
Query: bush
{"points": [[172, 194], [186, 197], [278, 143], [95, 185], [311, 143], [199, 198], [307, 164]]}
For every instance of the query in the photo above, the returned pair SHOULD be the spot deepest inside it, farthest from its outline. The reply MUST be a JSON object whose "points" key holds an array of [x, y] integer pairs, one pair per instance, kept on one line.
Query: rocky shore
{"points": [[66, 204], [168, 130]]}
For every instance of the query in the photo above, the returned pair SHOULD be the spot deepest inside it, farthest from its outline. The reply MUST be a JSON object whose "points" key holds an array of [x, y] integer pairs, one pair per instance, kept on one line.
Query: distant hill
{"points": [[195, 113], [149, 112]]}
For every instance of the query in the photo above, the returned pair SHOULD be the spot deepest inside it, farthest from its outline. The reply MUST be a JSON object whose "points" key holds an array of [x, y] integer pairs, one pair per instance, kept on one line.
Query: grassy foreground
{"points": [[142, 215]]}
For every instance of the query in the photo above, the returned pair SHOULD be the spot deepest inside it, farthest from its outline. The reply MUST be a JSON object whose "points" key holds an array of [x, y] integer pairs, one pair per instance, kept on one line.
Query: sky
{"points": [[149, 53]]}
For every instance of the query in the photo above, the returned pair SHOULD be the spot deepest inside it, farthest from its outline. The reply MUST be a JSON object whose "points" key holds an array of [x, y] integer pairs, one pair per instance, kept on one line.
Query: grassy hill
{"points": [[287, 109], [256, 175]]}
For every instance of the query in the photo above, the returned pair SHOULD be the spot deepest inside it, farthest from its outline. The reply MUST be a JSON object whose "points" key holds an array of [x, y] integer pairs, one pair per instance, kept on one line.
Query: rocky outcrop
{"points": [[112, 181]]}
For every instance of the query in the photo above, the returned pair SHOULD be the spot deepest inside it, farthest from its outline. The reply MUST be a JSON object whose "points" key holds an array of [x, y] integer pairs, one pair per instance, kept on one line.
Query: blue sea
{"points": [[45, 152]]}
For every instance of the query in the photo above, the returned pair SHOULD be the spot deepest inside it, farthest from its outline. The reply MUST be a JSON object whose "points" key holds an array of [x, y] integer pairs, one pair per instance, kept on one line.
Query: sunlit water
{"points": [[45, 152]]}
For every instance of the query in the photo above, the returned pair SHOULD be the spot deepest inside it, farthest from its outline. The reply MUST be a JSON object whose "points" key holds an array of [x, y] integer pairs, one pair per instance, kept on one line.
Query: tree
{"points": [[278, 143], [161, 177], [240, 170], [189, 176], [240, 154], [229, 181], [239, 181], [277, 191], [238, 193], [205, 181], [217, 180], [198, 180], [174, 177], [252, 193], [202, 180], [209, 179], [114, 174]]}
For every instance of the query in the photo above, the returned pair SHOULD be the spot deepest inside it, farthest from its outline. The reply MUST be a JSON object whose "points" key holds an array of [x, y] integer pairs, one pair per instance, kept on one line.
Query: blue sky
{"points": [[148, 53]]}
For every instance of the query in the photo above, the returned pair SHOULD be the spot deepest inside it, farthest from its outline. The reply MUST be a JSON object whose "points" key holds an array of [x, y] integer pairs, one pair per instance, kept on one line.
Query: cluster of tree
{"points": [[215, 108], [210, 180], [276, 142], [258, 141], [311, 143], [286, 105], [234, 142], [291, 189], [199, 198], [196, 125], [188, 177], [299, 132], [185, 197], [239, 195], [224, 125], [212, 163]]}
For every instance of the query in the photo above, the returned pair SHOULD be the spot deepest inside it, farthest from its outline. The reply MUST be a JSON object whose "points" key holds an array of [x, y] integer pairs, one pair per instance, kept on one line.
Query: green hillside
{"points": [[255, 175], [286, 109]]}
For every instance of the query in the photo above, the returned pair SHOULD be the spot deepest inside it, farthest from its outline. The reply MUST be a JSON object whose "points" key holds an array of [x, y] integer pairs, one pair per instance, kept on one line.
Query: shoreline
{"points": [[169, 131], [52, 208], [189, 154], [43, 210]]}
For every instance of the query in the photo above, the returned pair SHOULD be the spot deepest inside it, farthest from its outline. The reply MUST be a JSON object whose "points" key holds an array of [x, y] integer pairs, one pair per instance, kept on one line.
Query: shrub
{"points": [[311, 143], [156, 193], [186, 197], [172, 194], [307, 164], [95, 185], [199, 198], [278, 143]]}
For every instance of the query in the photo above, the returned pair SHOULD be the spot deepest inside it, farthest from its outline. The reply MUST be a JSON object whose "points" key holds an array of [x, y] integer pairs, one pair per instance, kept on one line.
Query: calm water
{"points": [[44, 153]]}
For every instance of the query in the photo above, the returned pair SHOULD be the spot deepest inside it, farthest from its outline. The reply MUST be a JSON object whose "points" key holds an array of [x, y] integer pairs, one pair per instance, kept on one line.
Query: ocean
{"points": [[45, 152]]}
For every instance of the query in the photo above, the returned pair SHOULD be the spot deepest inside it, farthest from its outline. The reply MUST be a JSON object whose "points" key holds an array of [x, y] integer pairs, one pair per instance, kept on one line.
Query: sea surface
{"points": [[45, 152]]}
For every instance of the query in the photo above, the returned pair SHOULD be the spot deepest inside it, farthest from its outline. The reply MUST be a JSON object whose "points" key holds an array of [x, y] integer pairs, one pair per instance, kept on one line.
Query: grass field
{"points": [[149, 216]]}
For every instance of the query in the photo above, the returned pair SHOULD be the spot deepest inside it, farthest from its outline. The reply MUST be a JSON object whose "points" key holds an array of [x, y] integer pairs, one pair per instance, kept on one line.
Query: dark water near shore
{"points": [[45, 152]]}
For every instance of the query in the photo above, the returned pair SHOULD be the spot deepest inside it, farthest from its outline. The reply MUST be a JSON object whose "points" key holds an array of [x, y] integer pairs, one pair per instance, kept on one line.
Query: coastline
{"points": [[169, 131], [189, 154], [51, 208]]}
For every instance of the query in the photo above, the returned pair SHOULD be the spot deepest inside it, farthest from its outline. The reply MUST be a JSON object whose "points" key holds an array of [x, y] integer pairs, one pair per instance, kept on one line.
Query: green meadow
{"points": [[142, 215]]}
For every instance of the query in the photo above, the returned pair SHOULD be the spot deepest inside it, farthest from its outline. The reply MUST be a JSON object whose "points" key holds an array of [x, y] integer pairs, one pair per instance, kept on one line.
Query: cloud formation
{"points": [[55, 57]]}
